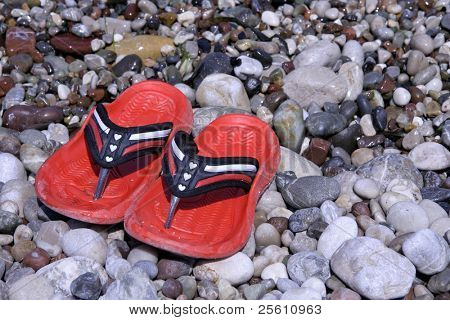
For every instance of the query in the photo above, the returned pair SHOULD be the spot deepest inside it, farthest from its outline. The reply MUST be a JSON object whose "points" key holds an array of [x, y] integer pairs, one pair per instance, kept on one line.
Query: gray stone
{"points": [[87, 286], [339, 231], [303, 218], [116, 267], [292, 161], [324, 124], [304, 265], [8, 222], [430, 156], [204, 116], [134, 285], [31, 287], [386, 168], [289, 125], [50, 235], [373, 270], [32, 157], [311, 191]]}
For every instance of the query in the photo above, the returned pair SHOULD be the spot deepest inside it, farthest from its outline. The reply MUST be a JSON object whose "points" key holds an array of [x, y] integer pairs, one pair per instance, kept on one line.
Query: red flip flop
{"points": [[98, 174], [203, 205]]}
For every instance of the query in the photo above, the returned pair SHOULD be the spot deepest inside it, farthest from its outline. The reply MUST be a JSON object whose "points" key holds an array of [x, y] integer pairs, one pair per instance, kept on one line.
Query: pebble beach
{"points": [[357, 92]]}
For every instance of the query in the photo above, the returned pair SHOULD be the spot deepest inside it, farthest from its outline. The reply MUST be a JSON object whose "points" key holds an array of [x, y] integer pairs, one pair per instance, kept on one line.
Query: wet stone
{"points": [[324, 124], [131, 62]]}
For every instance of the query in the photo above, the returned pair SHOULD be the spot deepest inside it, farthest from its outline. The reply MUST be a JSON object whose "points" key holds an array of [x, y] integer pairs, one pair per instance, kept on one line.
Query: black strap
{"points": [[191, 169], [111, 144]]}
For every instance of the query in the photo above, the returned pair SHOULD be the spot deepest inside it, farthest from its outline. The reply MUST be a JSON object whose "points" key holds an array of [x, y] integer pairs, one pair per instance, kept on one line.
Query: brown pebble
{"points": [[96, 94], [369, 142], [387, 85], [71, 44], [280, 223], [20, 40], [168, 18], [36, 259], [9, 144], [416, 94], [361, 209], [6, 83], [317, 151], [20, 117]]}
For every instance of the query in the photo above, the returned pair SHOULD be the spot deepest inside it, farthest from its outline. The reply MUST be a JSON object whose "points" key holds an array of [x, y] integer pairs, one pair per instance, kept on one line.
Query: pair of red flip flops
{"points": [[135, 160]]}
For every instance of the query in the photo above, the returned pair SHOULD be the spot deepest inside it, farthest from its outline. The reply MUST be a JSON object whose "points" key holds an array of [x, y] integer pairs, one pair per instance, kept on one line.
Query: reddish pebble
{"points": [[361, 209], [20, 40], [172, 288], [36, 259], [71, 44], [6, 83], [131, 12], [345, 294]]}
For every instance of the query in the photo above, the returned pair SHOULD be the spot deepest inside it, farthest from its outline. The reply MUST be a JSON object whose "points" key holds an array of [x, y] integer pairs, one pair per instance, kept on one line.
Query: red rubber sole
{"points": [[218, 223], [66, 181]]}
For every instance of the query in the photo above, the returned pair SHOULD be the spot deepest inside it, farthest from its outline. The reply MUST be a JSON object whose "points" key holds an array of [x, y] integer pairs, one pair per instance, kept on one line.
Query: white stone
{"points": [[292, 161], [320, 7], [322, 53], [186, 18], [401, 96], [222, 90], [433, 210], [441, 226], [367, 188], [427, 250], [237, 269], [330, 211], [142, 252], [354, 51], [63, 91], [380, 232], [405, 187], [388, 199], [434, 85], [339, 231], [266, 234], [248, 67], [11, 168], [315, 284], [187, 91], [354, 77], [315, 84], [301, 294], [367, 125], [31, 287], [332, 13], [367, 266], [430, 156], [274, 271], [406, 216], [86, 243], [58, 132], [270, 200], [270, 18]]}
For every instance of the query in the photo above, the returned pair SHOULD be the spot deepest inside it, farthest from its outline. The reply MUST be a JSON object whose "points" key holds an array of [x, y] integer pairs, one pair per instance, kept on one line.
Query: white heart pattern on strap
{"points": [[181, 187], [186, 176], [108, 159], [117, 136], [112, 147], [192, 165]]}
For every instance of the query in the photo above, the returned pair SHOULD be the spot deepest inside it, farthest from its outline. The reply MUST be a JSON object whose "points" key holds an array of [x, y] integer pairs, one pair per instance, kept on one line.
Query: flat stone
{"points": [[71, 44], [301, 294], [134, 285], [353, 74], [306, 192], [50, 235], [373, 270], [145, 46], [289, 125]]}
